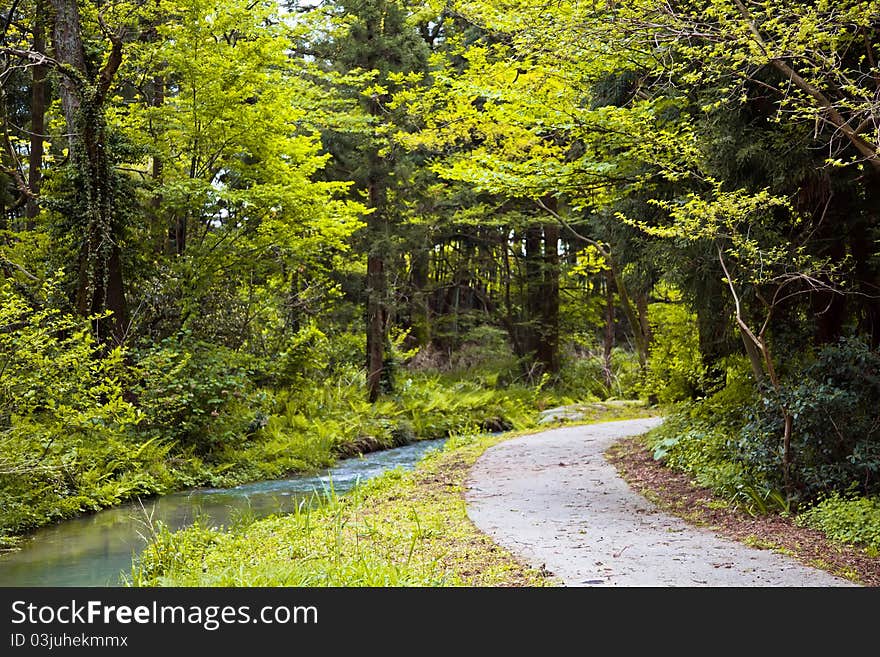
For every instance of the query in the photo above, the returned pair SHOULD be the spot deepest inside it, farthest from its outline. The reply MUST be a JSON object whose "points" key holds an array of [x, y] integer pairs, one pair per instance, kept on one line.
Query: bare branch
{"points": [[598, 245], [7, 263]]}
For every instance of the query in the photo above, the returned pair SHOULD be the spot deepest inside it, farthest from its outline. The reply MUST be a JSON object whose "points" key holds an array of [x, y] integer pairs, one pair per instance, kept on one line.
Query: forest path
{"points": [[553, 499]]}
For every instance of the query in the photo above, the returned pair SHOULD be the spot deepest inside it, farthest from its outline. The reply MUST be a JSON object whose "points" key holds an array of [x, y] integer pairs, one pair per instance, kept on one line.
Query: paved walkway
{"points": [[554, 500]]}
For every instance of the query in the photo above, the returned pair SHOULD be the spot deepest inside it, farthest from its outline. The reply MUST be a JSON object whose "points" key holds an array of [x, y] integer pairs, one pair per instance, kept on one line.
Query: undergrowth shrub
{"points": [[582, 374], [198, 395], [436, 407], [846, 519], [835, 404], [701, 437], [705, 452], [67, 433], [675, 367]]}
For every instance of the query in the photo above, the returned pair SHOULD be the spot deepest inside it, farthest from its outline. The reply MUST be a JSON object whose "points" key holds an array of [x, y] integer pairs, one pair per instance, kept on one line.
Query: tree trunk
{"points": [[177, 235], [376, 281], [541, 341], [754, 355], [157, 100], [513, 331], [631, 314], [419, 310], [533, 285], [867, 271], [100, 284], [67, 43], [608, 345], [375, 325], [640, 335], [38, 118], [642, 308], [548, 338]]}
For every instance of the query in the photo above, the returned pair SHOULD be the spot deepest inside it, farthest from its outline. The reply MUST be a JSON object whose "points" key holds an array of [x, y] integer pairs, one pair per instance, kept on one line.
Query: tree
{"points": [[376, 51], [22, 61], [95, 207], [498, 118], [232, 170]]}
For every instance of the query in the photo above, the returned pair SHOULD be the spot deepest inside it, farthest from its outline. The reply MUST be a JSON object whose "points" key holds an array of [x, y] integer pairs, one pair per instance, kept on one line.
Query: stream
{"points": [[97, 549]]}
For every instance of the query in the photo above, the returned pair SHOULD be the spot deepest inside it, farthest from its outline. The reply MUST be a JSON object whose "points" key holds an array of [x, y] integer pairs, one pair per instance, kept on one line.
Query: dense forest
{"points": [[244, 238]]}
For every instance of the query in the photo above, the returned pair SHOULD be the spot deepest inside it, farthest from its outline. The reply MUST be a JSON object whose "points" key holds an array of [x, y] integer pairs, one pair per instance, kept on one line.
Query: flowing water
{"points": [[97, 550]]}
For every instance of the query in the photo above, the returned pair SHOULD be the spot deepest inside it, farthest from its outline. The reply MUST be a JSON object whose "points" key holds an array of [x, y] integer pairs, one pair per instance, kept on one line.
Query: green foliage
{"points": [[199, 396], [582, 375], [675, 367], [846, 519], [733, 445], [303, 359], [482, 353], [705, 453], [65, 426], [72, 443], [437, 408], [168, 550], [700, 438], [834, 403], [236, 177]]}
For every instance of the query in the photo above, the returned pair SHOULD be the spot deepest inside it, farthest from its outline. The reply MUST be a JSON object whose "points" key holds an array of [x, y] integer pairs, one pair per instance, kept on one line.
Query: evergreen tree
{"points": [[375, 49]]}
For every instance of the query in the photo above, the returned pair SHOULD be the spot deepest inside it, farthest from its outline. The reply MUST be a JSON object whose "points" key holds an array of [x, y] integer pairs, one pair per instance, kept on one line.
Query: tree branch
{"points": [[866, 148], [114, 60]]}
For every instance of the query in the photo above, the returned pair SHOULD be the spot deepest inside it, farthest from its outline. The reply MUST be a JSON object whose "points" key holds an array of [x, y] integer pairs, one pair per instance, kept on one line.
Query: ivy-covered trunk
{"points": [[38, 116], [100, 285]]}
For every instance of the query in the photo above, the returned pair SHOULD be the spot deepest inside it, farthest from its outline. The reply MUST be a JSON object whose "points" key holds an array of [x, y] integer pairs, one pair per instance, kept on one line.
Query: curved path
{"points": [[552, 499]]}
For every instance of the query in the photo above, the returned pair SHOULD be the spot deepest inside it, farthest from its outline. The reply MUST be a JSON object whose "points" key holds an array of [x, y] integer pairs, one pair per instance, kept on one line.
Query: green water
{"points": [[97, 550]]}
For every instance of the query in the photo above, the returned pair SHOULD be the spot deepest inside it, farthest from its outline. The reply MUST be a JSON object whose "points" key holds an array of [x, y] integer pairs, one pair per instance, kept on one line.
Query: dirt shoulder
{"points": [[675, 493]]}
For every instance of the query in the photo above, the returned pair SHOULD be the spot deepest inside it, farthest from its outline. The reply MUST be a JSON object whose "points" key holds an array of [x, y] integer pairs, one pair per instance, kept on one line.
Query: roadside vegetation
{"points": [[92, 430], [400, 529], [728, 443]]}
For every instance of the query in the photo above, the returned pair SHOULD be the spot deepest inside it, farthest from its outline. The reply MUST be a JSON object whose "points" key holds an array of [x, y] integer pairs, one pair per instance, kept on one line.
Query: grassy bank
{"points": [[401, 529], [63, 473]]}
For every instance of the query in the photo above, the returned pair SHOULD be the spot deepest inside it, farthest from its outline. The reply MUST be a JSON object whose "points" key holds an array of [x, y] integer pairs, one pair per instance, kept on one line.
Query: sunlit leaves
{"points": [[232, 132]]}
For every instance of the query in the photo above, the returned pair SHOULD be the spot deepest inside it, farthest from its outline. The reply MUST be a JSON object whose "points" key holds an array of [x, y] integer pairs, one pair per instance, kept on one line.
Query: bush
{"points": [[734, 444], [436, 408], [855, 521], [705, 451], [484, 355], [835, 405], [675, 366], [304, 358], [582, 377], [200, 396], [582, 374], [66, 429], [701, 438]]}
